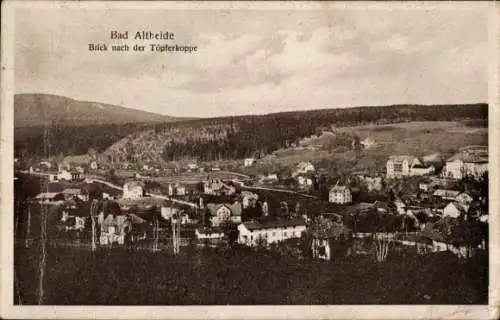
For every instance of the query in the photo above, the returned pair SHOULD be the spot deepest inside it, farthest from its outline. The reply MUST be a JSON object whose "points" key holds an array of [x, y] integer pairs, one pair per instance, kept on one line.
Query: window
{"points": [[274, 234], [285, 234]]}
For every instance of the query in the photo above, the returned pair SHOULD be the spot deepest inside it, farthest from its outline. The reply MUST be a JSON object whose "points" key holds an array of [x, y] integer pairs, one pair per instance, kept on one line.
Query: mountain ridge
{"points": [[36, 109]]}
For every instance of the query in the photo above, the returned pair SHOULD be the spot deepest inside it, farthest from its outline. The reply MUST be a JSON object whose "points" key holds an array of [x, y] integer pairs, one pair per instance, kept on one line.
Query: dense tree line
{"points": [[229, 137], [259, 135]]}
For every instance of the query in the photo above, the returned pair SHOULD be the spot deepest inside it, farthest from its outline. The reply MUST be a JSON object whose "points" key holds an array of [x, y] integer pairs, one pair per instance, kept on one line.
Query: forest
{"points": [[223, 138]]}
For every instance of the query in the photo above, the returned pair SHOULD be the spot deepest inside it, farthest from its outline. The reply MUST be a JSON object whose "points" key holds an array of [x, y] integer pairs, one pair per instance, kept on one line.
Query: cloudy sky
{"points": [[253, 62]]}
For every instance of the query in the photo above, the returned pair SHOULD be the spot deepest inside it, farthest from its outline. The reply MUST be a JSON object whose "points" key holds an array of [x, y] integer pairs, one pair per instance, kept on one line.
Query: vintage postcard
{"points": [[255, 160]]}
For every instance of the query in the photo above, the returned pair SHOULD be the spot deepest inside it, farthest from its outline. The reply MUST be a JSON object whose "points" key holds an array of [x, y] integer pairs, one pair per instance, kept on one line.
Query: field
{"points": [[415, 138], [243, 277]]}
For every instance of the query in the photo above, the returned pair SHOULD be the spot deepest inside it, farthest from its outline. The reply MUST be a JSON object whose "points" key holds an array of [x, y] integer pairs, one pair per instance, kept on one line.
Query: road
{"points": [[114, 186]]}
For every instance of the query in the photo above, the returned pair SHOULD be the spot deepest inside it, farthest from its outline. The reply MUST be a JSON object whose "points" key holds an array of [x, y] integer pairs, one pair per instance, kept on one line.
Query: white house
{"points": [[303, 168], [304, 181], [192, 166], [180, 190], [209, 233], [64, 175], [453, 210], [248, 162], [367, 143], [247, 198], [340, 194], [405, 165], [468, 161], [133, 190], [252, 233], [93, 165]]}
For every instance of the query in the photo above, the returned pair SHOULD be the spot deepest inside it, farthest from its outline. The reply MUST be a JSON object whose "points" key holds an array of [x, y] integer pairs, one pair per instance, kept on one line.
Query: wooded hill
{"points": [[244, 136]]}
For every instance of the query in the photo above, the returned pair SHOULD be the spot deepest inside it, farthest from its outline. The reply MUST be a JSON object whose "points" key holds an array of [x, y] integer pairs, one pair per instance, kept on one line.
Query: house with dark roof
{"points": [[253, 233], [224, 212], [340, 194]]}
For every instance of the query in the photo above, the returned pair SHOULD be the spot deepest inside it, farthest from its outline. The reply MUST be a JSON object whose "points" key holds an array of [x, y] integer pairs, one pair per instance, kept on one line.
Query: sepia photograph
{"points": [[287, 154]]}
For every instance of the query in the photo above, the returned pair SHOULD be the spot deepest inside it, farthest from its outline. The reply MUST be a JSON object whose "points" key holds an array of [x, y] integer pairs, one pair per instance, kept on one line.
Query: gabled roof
{"points": [[470, 156], [235, 208]]}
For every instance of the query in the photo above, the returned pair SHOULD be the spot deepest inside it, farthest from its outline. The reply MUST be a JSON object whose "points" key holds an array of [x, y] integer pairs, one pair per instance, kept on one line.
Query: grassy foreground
{"points": [[242, 277]]}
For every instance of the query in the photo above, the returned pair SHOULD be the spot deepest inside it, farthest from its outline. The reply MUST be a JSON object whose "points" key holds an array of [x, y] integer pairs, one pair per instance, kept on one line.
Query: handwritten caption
{"points": [[143, 41]]}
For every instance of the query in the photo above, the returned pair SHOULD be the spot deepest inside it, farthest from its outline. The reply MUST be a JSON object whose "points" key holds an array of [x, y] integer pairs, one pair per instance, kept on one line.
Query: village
{"points": [[426, 205]]}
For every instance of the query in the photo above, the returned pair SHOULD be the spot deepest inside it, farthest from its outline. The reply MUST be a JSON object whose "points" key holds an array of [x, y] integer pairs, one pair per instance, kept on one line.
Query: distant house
{"points": [[367, 143], [94, 166], [468, 162], [424, 186], [248, 199], [252, 233], [114, 229], [180, 190], [304, 181], [224, 212], [64, 175], [272, 177], [248, 162], [215, 169], [209, 233], [217, 187], [192, 166], [453, 210], [133, 190], [446, 194], [340, 194], [406, 165], [303, 168]]}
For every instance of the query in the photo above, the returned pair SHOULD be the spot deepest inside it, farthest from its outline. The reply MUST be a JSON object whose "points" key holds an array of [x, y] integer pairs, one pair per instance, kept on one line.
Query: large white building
{"points": [[252, 233], [133, 190], [340, 194], [472, 161], [405, 165]]}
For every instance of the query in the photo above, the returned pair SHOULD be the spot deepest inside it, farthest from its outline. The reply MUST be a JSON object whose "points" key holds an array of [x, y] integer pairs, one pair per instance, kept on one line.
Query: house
{"points": [[340, 194], [248, 162], [406, 165], [93, 165], [468, 161], [64, 175], [209, 233], [304, 181], [446, 194], [248, 199], [217, 188], [133, 190], [192, 166], [453, 210], [367, 143], [224, 212], [180, 190], [215, 169], [424, 186], [253, 233], [114, 229], [303, 168]]}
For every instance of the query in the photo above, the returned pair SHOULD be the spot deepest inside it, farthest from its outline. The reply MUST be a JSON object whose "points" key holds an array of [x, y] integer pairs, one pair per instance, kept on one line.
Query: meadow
{"points": [[242, 277]]}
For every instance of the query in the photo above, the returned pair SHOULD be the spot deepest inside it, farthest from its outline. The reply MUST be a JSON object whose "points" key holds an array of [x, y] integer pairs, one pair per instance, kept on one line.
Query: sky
{"points": [[256, 62]]}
